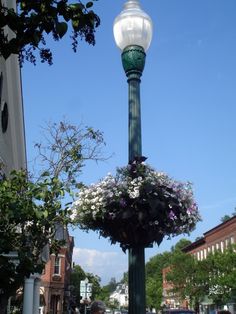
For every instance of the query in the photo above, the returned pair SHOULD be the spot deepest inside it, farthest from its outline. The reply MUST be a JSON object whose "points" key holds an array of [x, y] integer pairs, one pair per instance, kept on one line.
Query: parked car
{"points": [[177, 311]]}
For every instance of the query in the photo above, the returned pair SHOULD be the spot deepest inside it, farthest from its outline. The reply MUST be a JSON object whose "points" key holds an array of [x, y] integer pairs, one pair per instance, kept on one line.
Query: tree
{"points": [[96, 287], [227, 217], [222, 274], [112, 285], [34, 19], [104, 294], [29, 214], [154, 279], [154, 293], [106, 291], [77, 275], [188, 277], [154, 276], [66, 148], [213, 276], [31, 209], [180, 245], [125, 278]]}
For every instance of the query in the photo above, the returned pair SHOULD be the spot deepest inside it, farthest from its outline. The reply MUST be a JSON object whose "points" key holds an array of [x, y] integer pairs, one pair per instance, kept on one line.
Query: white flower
{"points": [[74, 214]]}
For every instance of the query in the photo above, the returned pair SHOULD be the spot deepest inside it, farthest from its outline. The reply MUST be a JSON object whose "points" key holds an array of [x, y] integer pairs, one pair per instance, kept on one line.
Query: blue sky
{"points": [[188, 99]]}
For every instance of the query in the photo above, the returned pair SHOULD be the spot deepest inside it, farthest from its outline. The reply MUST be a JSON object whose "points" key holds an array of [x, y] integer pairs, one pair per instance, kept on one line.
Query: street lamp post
{"points": [[133, 33]]}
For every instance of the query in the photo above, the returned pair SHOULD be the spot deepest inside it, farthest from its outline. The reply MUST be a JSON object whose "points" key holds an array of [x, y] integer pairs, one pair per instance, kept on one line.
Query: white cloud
{"points": [[104, 264]]}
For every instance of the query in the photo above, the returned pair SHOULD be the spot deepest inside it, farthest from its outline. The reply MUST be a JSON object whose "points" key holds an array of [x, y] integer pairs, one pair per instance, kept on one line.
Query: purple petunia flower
{"points": [[123, 203], [172, 215]]}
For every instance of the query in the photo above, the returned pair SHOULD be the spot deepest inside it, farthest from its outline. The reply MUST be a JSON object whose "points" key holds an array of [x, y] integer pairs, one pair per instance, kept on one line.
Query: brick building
{"points": [[55, 281], [217, 238]]}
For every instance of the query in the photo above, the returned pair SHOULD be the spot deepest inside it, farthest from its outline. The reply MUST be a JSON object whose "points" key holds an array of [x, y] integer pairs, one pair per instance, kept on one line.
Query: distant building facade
{"points": [[217, 238], [120, 295], [169, 299], [55, 281]]}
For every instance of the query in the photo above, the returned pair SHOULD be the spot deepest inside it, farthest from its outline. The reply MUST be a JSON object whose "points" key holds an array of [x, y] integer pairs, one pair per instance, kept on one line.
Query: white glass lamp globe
{"points": [[132, 26]]}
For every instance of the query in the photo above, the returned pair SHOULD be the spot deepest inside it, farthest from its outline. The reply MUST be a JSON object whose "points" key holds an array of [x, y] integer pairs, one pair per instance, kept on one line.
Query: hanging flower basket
{"points": [[137, 207]]}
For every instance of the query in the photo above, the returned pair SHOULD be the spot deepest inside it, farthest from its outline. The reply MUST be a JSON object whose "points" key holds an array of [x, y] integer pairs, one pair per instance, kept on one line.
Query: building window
{"points": [[212, 249], [205, 253], [217, 246], [226, 243], [57, 266], [4, 117], [198, 256], [201, 255], [222, 246], [209, 249], [232, 240]]}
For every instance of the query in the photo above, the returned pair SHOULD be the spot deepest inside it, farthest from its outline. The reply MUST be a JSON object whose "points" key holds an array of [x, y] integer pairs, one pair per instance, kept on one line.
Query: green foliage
{"points": [[154, 280], [154, 293], [29, 214], [222, 274], [96, 287], [125, 278], [114, 304], [112, 284], [105, 292], [154, 276], [32, 209], [213, 277], [227, 217], [180, 245], [186, 277], [77, 275], [34, 19]]}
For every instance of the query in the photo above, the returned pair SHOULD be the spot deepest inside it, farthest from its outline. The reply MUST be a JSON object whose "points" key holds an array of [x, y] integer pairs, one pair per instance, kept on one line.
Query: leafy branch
{"points": [[23, 31]]}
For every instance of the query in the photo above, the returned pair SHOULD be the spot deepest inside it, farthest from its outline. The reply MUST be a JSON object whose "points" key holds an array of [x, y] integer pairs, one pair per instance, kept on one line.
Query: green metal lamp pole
{"points": [[133, 60], [133, 33]]}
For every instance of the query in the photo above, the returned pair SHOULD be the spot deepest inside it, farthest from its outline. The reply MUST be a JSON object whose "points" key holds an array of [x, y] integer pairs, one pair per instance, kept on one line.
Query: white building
{"points": [[12, 137], [12, 144], [121, 295]]}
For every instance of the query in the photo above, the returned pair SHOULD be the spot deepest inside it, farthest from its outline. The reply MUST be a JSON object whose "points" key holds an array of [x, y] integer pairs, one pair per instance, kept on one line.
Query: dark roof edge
{"points": [[194, 245], [228, 221], [202, 240]]}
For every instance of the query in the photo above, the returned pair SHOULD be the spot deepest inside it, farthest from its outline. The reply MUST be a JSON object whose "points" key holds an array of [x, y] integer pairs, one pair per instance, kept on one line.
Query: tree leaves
{"points": [[28, 213], [34, 19], [89, 4], [61, 28], [211, 276], [30, 209]]}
